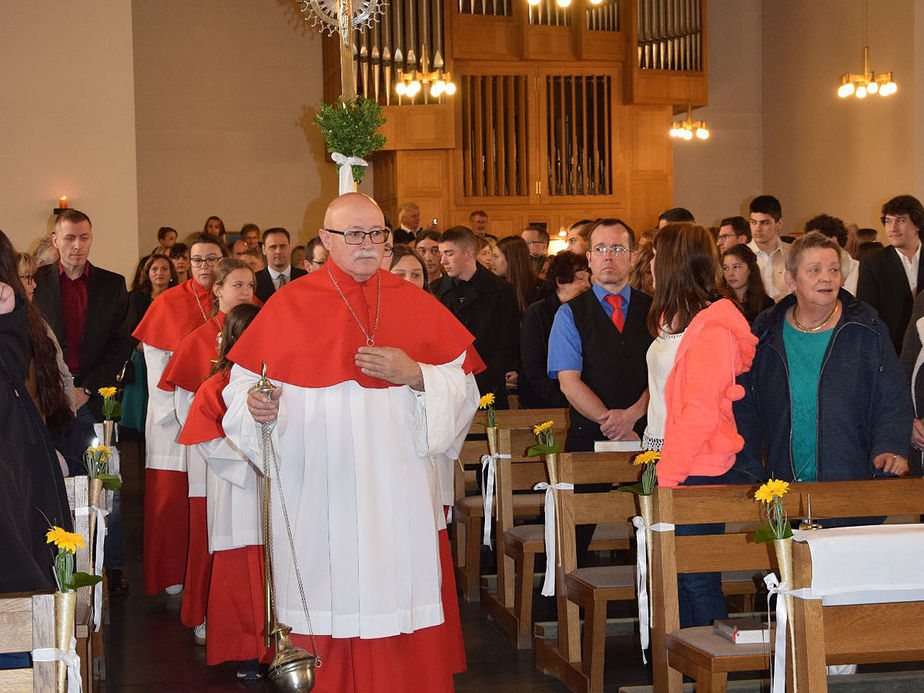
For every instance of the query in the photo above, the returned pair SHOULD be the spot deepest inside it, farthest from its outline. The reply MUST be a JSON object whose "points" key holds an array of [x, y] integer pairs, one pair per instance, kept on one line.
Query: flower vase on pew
{"points": [[778, 530], [112, 410], [487, 403], [96, 460], [546, 447], [644, 490], [68, 581]]}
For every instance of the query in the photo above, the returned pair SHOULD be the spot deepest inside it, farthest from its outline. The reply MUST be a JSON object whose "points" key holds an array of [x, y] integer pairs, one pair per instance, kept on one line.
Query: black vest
{"points": [[614, 365]]}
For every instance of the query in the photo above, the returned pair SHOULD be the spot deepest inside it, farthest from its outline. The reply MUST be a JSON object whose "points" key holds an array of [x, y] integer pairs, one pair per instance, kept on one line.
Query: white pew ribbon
{"points": [[70, 658], [778, 661], [548, 585], [345, 170], [641, 576], [488, 473], [97, 558]]}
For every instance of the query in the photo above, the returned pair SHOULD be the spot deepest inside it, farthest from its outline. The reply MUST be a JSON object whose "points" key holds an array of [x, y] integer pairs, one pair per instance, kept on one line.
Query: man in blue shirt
{"points": [[598, 345]]}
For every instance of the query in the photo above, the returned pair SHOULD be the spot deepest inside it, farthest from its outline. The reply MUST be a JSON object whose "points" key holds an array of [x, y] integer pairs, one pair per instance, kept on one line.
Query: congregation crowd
{"points": [[742, 352]]}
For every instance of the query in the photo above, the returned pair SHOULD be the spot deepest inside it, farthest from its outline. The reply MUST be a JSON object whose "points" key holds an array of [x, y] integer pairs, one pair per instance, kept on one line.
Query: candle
{"points": [[62, 202]]}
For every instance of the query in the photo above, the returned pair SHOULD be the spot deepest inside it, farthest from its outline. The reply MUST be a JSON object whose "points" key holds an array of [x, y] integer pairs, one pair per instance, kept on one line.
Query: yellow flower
{"points": [[486, 400], [646, 457], [774, 488], [100, 451], [107, 392], [542, 427], [68, 541]]}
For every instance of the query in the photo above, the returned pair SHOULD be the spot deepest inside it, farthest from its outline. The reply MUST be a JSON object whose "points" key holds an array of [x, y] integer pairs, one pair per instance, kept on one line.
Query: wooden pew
{"points": [[579, 667], [27, 622], [697, 652], [468, 510], [848, 634]]}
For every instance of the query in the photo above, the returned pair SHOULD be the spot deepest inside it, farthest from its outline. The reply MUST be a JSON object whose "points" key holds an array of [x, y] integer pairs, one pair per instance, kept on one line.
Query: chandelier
{"points": [[687, 128], [867, 83]]}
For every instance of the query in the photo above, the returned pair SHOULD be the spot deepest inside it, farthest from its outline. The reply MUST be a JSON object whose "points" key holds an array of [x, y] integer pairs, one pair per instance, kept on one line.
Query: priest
{"points": [[373, 378]]}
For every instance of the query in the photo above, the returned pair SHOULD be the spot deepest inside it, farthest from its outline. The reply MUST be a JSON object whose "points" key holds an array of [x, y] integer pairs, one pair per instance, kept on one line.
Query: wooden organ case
{"points": [[560, 114]]}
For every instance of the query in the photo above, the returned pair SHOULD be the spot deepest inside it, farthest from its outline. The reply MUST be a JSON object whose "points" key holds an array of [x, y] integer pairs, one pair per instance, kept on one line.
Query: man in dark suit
{"points": [[890, 278], [279, 270], [86, 307], [485, 304]]}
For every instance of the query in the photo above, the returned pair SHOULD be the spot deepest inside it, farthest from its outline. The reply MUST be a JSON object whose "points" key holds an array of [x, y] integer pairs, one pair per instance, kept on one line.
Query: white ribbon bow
{"points": [[70, 658], [97, 559], [641, 576], [345, 170], [778, 661], [548, 585], [488, 472]]}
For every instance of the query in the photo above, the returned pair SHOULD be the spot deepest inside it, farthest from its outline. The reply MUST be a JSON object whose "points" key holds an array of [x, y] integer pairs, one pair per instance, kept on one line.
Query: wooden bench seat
{"points": [[694, 653]]}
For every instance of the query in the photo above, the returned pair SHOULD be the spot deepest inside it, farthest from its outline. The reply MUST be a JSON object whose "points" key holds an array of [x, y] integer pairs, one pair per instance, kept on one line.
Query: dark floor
{"points": [[147, 649]]}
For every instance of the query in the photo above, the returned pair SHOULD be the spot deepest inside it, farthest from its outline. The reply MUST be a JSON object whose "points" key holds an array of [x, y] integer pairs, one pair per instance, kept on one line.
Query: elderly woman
{"points": [[825, 397]]}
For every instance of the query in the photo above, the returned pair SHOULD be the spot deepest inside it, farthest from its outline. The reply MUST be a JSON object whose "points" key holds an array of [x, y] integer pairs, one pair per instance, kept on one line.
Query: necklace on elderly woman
{"points": [[370, 339], [814, 328]]}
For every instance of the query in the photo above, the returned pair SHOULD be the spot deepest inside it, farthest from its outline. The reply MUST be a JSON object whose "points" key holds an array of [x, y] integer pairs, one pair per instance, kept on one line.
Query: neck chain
{"points": [[370, 339], [199, 303], [815, 328]]}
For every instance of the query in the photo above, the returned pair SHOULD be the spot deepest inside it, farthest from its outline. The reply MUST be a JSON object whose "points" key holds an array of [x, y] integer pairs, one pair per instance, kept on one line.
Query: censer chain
{"points": [[269, 450]]}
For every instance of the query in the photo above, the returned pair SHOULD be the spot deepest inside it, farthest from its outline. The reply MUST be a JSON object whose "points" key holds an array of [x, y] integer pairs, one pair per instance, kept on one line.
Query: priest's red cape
{"points": [[308, 338], [193, 357], [208, 409], [174, 314]]}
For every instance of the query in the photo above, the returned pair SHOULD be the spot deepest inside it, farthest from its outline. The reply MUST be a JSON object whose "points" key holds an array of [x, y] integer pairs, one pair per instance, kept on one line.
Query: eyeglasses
{"points": [[536, 243], [726, 236], [319, 263], [30, 278], [209, 261], [602, 250], [377, 236]]}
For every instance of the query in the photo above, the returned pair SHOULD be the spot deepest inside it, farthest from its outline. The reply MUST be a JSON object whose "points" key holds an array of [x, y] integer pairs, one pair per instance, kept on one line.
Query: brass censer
{"points": [[292, 668]]}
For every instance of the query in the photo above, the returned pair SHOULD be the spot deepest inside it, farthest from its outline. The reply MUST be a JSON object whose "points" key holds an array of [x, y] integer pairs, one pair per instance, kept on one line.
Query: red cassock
{"points": [[172, 315], [308, 339], [187, 369], [235, 591]]}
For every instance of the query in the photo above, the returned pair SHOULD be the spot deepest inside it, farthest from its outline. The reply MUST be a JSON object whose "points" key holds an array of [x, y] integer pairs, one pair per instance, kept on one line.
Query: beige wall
{"points": [[715, 178], [225, 92], [823, 153], [68, 122]]}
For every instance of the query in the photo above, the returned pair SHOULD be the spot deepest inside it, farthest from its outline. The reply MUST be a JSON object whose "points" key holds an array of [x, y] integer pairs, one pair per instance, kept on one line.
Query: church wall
{"points": [[823, 154], [67, 115], [225, 94], [716, 178]]}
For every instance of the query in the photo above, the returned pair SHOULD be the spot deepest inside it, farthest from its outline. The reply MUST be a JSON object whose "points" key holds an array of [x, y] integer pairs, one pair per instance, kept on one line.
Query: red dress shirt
{"points": [[74, 312]]}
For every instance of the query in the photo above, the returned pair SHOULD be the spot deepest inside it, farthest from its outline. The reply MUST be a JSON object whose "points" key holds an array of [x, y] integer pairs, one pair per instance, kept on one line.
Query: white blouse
{"points": [[660, 359]]}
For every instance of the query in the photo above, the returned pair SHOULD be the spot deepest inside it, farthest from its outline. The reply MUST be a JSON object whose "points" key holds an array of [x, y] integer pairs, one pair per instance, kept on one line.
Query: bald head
{"points": [[353, 212]]}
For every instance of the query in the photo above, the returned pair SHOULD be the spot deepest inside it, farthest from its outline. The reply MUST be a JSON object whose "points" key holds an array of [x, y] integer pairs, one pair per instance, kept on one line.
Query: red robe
{"points": [[188, 367], [308, 338], [235, 590], [172, 315]]}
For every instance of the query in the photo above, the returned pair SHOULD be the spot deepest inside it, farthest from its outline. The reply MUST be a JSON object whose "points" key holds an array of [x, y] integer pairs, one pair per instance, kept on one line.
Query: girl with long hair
{"points": [[702, 344], [511, 261], [407, 264], [742, 282], [234, 601]]}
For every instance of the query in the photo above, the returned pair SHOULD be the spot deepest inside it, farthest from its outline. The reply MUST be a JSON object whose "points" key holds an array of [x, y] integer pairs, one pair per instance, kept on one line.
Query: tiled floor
{"points": [[149, 650]]}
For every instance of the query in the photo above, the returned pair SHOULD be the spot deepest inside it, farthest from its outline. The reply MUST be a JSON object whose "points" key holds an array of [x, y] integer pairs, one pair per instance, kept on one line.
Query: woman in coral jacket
{"points": [[232, 285], [235, 593], [703, 343]]}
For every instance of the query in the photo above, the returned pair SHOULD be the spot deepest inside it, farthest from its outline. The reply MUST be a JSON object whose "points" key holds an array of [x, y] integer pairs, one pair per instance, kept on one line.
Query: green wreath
{"points": [[349, 128]]}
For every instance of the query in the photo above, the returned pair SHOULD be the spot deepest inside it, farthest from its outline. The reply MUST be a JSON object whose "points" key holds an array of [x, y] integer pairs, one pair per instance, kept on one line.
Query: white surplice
{"points": [[195, 462], [363, 496], [233, 497], [161, 427]]}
